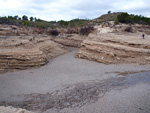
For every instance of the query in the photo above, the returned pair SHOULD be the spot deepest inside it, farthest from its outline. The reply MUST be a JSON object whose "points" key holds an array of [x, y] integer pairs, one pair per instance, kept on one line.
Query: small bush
{"points": [[128, 29], [54, 32], [116, 22], [86, 30]]}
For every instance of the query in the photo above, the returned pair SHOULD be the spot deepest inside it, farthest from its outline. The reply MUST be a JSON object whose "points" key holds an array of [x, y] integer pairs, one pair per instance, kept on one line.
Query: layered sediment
{"points": [[25, 52], [115, 48], [71, 40]]}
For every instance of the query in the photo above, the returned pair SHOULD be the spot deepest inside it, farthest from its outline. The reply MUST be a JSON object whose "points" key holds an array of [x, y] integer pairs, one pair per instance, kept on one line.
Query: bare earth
{"points": [[67, 84], [119, 83]]}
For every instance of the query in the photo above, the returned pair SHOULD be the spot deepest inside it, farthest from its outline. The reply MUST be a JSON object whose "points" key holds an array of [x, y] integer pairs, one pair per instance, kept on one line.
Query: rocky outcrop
{"points": [[25, 52], [71, 40], [11, 30], [13, 110], [116, 48]]}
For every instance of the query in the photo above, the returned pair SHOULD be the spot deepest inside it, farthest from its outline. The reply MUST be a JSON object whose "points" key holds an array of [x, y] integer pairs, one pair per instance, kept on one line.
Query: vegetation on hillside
{"points": [[83, 24], [73, 23], [34, 22], [132, 19], [107, 17]]}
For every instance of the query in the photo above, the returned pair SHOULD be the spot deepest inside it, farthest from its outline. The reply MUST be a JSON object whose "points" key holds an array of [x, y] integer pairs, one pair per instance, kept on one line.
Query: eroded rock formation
{"points": [[109, 46], [27, 51], [72, 40]]}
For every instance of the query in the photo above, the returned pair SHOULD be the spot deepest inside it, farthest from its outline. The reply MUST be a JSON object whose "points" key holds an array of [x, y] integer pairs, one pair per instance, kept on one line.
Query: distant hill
{"points": [[107, 17], [13, 20], [34, 22]]}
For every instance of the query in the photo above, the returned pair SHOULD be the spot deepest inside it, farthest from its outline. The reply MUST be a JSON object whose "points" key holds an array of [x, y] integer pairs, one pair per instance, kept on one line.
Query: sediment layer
{"points": [[26, 53], [116, 48], [71, 40]]}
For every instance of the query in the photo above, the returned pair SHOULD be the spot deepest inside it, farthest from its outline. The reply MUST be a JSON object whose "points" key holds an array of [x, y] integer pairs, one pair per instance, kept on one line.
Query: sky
{"points": [[51, 10]]}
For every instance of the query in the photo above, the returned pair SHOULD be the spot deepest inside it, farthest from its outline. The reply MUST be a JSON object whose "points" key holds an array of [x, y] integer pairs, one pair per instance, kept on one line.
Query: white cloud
{"points": [[66, 9], [134, 4]]}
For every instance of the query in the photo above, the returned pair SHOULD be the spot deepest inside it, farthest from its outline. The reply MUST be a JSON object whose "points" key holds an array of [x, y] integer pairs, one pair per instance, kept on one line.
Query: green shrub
{"points": [[126, 18], [26, 23], [24, 17], [116, 22], [129, 29], [54, 32]]}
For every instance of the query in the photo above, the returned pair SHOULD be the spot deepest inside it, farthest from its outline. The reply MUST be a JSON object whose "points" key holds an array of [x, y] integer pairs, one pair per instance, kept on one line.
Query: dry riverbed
{"points": [[71, 85]]}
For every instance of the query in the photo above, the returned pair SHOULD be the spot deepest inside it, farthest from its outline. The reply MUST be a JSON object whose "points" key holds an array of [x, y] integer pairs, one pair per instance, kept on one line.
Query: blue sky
{"points": [[71, 9]]}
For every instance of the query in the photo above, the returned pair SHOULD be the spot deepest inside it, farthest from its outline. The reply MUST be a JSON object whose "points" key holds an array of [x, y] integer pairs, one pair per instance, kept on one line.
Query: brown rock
{"points": [[116, 48], [22, 53]]}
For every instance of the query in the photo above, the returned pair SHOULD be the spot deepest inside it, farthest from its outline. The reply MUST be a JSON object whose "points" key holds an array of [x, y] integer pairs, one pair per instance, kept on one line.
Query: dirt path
{"points": [[70, 85]]}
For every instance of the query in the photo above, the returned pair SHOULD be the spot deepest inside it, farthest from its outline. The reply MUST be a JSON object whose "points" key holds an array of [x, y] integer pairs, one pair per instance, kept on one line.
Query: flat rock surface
{"points": [[71, 85]]}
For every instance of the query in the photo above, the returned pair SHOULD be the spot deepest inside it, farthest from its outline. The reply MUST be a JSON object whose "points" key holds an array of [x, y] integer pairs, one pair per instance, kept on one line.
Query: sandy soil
{"points": [[68, 84]]}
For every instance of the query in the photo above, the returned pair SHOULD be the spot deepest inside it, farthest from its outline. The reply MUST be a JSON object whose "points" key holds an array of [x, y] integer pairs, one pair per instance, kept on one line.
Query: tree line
{"points": [[36, 22], [132, 19], [33, 21], [24, 17]]}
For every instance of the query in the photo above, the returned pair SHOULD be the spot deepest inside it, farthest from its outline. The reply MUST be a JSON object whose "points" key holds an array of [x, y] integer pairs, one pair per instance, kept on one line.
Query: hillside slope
{"points": [[107, 17]]}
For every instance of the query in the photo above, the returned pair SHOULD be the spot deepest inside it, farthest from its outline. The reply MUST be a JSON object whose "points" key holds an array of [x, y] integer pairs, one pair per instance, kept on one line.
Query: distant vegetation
{"points": [[15, 20], [75, 23], [122, 18], [34, 22], [107, 17], [132, 19]]}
